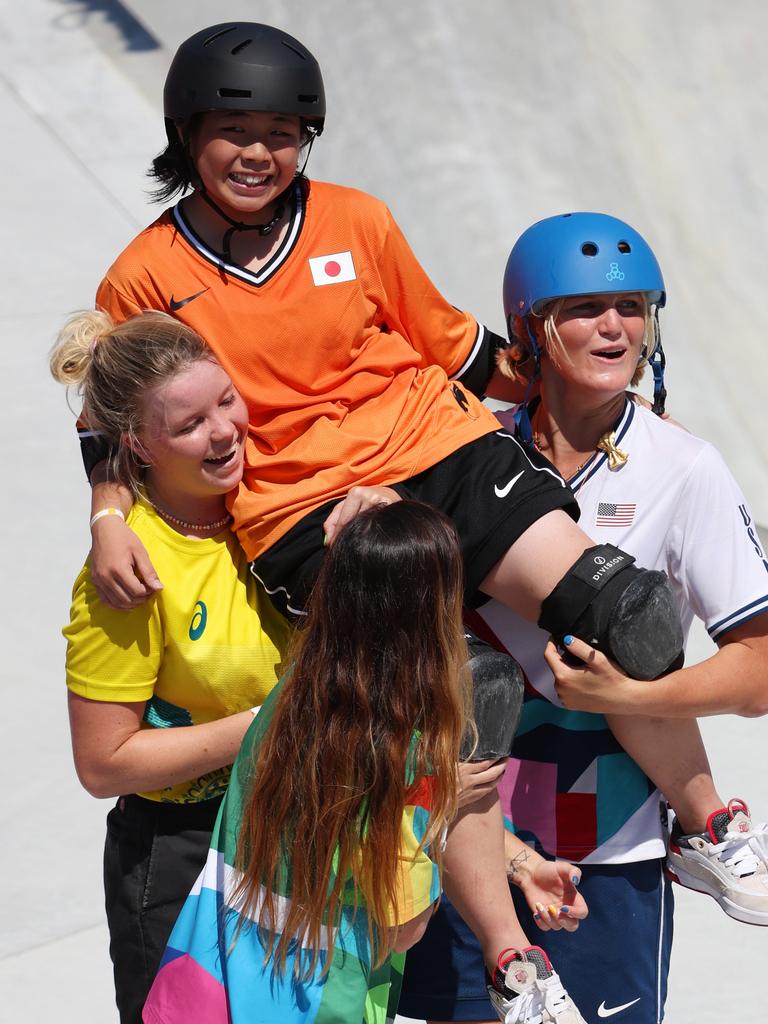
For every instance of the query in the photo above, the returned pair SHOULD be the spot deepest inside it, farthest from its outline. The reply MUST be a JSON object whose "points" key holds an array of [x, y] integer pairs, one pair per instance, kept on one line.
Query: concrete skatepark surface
{"points": [[471, 121]]}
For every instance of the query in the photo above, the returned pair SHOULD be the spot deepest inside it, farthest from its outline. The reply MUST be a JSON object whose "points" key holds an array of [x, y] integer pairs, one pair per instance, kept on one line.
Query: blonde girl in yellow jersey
{"points": [[161, 696]]}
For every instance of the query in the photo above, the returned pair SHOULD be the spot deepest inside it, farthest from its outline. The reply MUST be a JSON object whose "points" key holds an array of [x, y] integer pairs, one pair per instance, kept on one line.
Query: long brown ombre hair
{"points": [[378, 698]]}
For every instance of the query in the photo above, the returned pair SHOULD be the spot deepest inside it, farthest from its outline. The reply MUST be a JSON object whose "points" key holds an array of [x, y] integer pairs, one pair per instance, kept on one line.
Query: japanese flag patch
{"points": [[332, 269]]}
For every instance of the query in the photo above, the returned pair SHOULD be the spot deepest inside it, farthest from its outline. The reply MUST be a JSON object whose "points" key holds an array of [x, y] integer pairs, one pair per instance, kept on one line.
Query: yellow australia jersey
{"points": [[208, 645]]}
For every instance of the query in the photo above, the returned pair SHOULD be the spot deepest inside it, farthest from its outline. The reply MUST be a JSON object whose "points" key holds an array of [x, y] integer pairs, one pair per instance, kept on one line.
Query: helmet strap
{"points": [[657, 363], [522, 416], [310, 144], [238, 225]]}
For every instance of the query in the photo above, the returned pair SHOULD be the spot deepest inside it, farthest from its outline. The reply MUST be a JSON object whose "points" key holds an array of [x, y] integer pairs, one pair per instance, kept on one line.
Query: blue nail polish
{"points": [[568, 640], [575, 879], [537, 916], [564, 910]]}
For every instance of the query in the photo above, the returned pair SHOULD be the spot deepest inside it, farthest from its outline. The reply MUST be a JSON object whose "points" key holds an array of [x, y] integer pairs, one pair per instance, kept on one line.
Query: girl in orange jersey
{"points": [[355, 371]]}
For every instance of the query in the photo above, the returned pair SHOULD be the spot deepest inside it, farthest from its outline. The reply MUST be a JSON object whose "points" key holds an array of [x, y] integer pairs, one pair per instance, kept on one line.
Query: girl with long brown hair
{"points": [[326, 855]]}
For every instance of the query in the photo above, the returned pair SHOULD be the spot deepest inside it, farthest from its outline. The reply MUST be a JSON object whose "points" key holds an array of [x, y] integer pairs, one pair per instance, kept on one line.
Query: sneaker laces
{"points": [[742, 852], [545, 994], [525, 1009], [529, 1007], [555, 996]]}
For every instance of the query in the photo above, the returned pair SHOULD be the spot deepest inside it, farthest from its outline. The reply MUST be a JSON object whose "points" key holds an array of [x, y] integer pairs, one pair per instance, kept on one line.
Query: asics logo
{"points": [[177, 304], [603, 1011], [502, 492], [199, 621]]}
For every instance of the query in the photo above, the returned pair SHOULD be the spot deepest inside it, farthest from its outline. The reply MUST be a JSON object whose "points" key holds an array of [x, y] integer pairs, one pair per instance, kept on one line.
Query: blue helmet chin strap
{"points": [[657, 363], [522, 419]]}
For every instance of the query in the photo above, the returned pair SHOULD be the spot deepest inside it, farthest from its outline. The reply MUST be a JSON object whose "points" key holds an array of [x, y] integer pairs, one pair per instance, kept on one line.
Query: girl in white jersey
{"points": [[582, 294]]}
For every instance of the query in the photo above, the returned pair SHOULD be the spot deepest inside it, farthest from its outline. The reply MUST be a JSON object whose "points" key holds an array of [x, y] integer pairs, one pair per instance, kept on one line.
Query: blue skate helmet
{"points": [[583, 254]]}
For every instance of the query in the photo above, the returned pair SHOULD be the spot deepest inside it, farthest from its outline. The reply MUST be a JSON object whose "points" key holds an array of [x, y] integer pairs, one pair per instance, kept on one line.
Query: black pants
{"points": [[152, 857]]}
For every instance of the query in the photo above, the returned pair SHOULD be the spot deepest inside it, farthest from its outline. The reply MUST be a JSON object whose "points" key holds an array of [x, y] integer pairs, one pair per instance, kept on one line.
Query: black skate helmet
{"points": [[240, 65]]}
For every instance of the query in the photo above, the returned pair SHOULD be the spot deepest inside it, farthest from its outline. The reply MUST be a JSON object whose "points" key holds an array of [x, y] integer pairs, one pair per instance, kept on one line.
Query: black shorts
{"points": [[152, 856], [493, 489]]}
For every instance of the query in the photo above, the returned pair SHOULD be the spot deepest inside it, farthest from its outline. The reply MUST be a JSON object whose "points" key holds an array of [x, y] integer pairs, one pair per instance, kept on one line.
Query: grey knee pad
{"points": [[497, 700], [626, 612]]}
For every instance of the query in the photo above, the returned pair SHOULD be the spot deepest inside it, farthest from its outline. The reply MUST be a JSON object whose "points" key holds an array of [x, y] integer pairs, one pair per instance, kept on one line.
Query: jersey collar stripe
{"points": [[595, 462], [539, 469], [269, 269], [739, 617], [472, 355]]}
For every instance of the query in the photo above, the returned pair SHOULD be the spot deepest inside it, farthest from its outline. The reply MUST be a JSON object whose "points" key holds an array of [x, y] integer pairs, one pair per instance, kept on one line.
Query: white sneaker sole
{"points": [[744, 914]]}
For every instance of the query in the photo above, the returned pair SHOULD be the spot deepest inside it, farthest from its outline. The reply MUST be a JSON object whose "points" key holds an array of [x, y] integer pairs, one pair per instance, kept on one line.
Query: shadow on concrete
{"points": [[76, 14]]}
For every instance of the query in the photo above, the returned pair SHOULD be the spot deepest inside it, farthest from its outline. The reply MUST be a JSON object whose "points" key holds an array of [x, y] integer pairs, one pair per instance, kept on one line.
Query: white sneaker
{"points": [[728, 862], [526, 990]]}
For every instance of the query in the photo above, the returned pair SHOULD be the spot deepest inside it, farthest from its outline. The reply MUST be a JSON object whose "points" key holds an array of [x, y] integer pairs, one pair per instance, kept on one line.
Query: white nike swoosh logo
{"points": [[502, 492], [603, 1012]]}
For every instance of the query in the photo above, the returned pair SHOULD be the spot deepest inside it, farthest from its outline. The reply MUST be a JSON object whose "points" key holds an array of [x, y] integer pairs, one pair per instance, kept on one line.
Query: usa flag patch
{"points": [[332, 269], [609, 514]]}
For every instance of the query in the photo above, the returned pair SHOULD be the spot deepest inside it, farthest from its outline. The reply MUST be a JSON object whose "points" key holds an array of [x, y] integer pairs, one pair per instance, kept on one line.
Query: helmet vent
{"points": [[308, 98], [241, 46], [293, 48], [235, 94], [589, 249], [624, 247], [218, 35]]}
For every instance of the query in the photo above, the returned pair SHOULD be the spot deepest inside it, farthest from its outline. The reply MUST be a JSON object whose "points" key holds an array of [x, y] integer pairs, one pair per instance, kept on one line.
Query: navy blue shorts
{"points": [[614, 966]]}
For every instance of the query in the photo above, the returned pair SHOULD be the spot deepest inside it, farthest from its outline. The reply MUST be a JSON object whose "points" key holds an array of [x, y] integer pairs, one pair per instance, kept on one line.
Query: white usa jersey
{"points": [[570, 789]]}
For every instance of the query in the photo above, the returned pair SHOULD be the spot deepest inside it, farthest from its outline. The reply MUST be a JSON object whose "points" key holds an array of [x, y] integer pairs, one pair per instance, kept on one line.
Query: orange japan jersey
{"points": [[341, 346]]}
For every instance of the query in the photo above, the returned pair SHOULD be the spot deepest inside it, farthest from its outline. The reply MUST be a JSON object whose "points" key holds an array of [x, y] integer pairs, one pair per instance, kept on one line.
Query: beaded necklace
{"points": [[200, 527]]}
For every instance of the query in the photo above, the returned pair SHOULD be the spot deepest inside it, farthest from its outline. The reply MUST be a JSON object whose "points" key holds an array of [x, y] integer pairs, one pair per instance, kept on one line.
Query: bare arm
{"points": [[120, 567], [549, 886], [733, 681], [114, 755], [408, 934]]}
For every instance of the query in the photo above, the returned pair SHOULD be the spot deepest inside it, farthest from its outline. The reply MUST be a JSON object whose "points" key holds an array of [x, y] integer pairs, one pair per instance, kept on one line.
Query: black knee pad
{"points": [[626, 612], [497, 700]]}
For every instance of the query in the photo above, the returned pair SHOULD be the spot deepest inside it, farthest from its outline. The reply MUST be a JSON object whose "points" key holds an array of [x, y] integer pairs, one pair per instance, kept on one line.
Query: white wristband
{"points": [[107, 512]]}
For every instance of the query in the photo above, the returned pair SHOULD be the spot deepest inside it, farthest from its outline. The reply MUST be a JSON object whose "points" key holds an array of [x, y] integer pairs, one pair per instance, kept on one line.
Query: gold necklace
{"points": [[537, 446]]}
